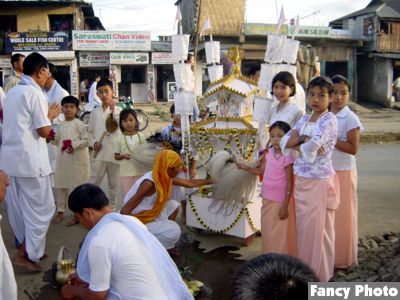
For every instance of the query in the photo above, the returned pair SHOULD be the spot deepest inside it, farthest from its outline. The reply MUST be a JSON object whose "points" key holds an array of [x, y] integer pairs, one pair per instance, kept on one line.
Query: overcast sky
{"points": [[158, 15]]}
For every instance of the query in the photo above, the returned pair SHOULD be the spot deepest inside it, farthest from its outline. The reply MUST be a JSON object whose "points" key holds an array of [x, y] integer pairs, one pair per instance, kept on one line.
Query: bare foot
{"points": [[73, 221], [58, 218], [26, 263]]}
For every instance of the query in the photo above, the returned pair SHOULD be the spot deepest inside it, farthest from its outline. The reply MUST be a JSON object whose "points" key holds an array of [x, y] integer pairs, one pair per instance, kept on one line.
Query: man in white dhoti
{"points": [[26, 124], [8, 286], [129, 265]]}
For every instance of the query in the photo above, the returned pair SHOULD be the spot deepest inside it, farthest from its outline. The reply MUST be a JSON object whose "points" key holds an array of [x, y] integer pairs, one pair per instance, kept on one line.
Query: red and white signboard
{"points": [[162, 58], [111, 40]]}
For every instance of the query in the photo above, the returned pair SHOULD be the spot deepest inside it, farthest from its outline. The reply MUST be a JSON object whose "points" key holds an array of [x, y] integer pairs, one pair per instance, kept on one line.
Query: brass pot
{"points": [[64, 268]]}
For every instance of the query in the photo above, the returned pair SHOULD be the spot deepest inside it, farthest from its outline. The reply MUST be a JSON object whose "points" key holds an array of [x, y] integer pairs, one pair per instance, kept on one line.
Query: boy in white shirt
{"points": [[103, 142]]}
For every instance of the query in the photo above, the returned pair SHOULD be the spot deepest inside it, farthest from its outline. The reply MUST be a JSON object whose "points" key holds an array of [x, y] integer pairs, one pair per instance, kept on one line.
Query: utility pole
{"points": [[196, 43]]}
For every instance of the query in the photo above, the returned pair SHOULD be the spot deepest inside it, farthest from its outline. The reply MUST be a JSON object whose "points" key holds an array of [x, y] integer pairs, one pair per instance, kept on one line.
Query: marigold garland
{"points": [[222, 231]]}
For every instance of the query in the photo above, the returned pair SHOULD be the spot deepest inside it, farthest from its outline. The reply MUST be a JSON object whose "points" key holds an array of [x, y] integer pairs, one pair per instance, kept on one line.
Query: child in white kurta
{"points": [[73, 163], [344, 163], [103, 142], [127, 140]]}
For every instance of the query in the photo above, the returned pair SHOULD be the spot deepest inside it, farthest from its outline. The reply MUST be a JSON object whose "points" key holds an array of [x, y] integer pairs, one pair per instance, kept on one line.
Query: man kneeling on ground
{"points": [[120, 258]]}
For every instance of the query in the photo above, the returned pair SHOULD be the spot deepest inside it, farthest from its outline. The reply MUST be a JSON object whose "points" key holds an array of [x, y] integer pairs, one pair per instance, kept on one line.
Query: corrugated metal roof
{"points": [[157, 46], [383, 8]]}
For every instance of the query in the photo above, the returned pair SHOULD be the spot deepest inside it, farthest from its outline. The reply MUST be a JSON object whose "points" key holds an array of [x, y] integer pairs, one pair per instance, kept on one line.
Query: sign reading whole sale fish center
{"points": [[111, 40]]}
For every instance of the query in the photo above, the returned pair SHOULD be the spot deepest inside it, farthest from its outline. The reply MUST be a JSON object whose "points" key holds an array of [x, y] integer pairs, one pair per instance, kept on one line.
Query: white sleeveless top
{"points": [[148, 202]]}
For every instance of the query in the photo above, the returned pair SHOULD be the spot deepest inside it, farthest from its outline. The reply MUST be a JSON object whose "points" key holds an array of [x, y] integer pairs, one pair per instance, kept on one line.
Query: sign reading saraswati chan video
{"points": [[353, 290], [111, 40], [129, 58], [36, 41]]}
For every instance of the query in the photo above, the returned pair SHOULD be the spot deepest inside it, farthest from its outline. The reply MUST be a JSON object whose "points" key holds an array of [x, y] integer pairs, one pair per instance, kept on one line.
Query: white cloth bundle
{"points": [[275, 48], [212, 52], [215, 73], [289, 54], [232, 185], [180, 47]]}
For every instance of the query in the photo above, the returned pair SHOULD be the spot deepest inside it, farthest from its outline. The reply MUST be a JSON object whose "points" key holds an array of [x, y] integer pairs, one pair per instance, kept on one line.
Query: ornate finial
{"points": [[235, 55]]}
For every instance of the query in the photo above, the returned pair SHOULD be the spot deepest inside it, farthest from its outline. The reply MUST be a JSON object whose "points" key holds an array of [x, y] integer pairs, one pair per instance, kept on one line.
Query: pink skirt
{"points": [[278, 236], [346, 228], [316, 201]]}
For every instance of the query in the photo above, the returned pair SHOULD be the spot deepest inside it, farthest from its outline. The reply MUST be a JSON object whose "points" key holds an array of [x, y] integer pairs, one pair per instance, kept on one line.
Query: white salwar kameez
{"points": [[165, 230], [8, 286], [24, 157]]}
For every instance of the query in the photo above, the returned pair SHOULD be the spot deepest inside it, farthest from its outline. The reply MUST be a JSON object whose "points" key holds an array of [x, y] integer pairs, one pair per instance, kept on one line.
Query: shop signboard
{"points": [[94, 59], [162, 58], [263, 29], [304, 30], [111, 40], [129, 58], [36, 41]]}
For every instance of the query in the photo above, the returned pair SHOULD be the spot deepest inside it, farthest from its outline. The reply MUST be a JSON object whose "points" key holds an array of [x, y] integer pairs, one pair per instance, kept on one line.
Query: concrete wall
{"points": [[36, 18], [375, 77]]}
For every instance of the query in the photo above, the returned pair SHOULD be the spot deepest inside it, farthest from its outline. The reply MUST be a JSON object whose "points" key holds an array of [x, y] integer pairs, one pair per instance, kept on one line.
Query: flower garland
{"points": [[233, 224], [126, 142]]}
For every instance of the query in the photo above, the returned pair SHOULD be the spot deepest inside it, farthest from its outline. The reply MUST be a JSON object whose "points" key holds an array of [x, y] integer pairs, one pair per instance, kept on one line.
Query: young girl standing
{"points": [[126, 142], [276, 191], [284, 109], [72, 162], [315, 193], [344, 163]]}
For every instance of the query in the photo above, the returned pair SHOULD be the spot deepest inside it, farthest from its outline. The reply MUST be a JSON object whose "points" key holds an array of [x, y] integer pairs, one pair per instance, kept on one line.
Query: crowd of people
{"points": [[308, 173]]}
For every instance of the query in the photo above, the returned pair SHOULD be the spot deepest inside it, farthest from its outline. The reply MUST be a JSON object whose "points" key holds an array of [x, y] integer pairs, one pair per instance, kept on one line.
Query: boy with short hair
{"points": [[273, 276], [73, 162], [104, 142]]}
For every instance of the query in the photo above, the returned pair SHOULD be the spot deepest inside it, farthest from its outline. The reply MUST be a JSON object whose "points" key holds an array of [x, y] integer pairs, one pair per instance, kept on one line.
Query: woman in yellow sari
{"points": [[148, 199]]}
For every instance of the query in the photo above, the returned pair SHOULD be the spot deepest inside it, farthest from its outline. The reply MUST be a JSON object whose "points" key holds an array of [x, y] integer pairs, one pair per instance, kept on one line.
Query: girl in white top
{"points": [[284, 109], [124, 150], [344, 163]]}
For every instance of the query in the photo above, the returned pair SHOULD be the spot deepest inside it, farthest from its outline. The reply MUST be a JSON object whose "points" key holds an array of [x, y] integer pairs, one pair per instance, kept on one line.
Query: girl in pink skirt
{"points": [[344, 163], [276, 191]]}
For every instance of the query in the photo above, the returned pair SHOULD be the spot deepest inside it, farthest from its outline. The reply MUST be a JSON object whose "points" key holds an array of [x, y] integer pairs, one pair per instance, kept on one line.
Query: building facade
{"points": [[45, 27], [378, 61]]}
